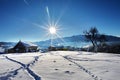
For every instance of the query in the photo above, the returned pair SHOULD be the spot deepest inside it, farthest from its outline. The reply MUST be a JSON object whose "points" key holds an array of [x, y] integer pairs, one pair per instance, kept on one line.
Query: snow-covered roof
{"points": [[28, 44]]}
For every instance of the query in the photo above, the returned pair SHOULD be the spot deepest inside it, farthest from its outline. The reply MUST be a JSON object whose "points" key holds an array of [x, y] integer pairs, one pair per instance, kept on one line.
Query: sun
{"points": [[52, 30], [52, 27]]}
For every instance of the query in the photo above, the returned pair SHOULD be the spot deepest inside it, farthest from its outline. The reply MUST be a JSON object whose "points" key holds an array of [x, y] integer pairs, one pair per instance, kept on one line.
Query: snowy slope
{"points": [[60, 65]]}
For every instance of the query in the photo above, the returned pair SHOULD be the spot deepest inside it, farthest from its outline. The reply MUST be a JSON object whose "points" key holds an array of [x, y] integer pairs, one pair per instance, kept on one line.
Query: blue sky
{"points": [[17, 17]]}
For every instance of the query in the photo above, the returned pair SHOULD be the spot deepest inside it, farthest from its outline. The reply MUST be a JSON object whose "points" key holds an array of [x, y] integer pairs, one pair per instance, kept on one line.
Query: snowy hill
{"points": [[60, 65], [7, 44]]}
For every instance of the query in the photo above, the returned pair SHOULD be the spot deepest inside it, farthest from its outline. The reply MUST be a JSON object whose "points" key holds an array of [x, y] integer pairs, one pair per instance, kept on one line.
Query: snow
{"points": [[2, 50], [60, 65], [28, 44]]}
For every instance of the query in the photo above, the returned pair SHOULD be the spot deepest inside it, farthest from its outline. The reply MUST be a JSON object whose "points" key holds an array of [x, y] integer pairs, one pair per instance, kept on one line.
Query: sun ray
{"points": [[60, 16], [52, 27], [48, 13], [60, 38], [40, 26], [26, 2]]}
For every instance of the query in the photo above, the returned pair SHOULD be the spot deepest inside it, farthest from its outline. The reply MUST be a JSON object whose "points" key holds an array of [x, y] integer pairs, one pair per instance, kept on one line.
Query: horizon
{"points": [[50, 39], [20, 20]]}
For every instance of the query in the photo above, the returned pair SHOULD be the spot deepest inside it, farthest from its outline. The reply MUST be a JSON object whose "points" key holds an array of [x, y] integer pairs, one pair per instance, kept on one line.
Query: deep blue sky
{"points": [[17, 16]]}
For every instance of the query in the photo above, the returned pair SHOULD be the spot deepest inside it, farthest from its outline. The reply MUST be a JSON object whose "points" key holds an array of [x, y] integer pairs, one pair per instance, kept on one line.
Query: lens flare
{"points": [[52, 27]]}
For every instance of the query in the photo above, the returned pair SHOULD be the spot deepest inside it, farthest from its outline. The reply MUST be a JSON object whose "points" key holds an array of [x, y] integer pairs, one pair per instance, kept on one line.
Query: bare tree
{"points": [[92, 35]]}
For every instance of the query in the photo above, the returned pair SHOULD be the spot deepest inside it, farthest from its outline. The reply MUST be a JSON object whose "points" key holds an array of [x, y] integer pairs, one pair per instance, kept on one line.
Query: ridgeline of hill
{"points": [[68, 41], [72, 39]]}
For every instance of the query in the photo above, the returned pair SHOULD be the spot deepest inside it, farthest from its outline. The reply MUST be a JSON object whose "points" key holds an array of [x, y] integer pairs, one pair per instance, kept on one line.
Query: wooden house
{"points": [[23, 47]]}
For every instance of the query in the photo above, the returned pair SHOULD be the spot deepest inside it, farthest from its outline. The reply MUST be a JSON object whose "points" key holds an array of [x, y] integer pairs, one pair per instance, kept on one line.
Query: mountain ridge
{"points": [[72, 39], [68, 41]]}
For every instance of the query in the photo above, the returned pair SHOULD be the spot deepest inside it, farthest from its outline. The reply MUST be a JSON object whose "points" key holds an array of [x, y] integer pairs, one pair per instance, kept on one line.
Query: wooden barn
{"points": [[23, 47]]}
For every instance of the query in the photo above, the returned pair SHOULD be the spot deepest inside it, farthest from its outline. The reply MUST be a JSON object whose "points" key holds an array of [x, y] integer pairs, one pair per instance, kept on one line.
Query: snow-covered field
{"points": [[60, 65]]}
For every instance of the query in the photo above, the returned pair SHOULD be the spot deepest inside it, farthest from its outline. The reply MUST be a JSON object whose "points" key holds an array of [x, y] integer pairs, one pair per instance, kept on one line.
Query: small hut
{"points": [[23, 47]]}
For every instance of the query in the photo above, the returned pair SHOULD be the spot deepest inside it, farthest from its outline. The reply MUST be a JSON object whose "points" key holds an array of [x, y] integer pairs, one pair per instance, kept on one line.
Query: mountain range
{"points": [[76, 40]]}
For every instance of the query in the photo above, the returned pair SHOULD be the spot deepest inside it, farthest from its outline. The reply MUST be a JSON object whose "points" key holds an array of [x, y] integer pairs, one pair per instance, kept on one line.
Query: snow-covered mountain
{"points": [[7, 44], [76, 40], [65, 41]]}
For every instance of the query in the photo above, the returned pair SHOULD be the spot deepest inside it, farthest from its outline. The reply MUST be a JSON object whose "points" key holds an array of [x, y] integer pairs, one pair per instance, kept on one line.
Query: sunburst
{"points": [[52, 27]]}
